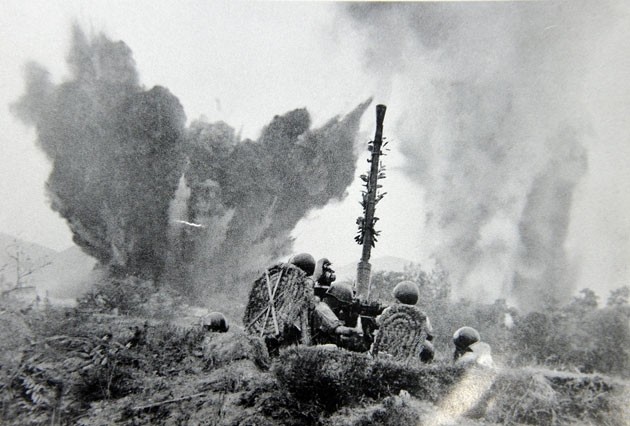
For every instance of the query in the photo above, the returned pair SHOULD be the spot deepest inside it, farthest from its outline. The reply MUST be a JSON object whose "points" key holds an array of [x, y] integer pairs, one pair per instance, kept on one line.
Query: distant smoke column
{"points": [[485, 89], [115, 150], [250, 195], [542, 270]]}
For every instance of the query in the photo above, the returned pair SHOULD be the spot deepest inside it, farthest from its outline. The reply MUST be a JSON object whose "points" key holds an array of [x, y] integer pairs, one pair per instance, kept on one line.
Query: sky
{"points": [[493, 110]]}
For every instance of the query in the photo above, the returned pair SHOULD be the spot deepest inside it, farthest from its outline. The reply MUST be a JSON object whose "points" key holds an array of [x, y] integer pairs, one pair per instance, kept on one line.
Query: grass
{"points": [[72, 367]]}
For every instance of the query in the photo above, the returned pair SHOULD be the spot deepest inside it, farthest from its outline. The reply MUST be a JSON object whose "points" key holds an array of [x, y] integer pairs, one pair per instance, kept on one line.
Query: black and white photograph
{"points": [[327, 213]]}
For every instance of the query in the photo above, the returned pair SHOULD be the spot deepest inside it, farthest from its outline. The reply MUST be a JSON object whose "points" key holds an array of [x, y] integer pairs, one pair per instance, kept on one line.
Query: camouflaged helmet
{"points": [[341, 291], [465, 336], [406, 292], [215, 321], [305, 262]]}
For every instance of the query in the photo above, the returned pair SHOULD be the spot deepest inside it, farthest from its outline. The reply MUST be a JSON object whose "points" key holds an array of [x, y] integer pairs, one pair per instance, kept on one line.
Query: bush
{"points": [[131, 296], [392, 411], [333, 377], [77, 359], [541, 397], [224, 348]]}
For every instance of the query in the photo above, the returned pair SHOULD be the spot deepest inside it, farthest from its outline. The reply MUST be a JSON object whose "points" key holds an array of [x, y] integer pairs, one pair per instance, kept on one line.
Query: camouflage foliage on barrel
{"points": [[402, 333], [279, 304]]}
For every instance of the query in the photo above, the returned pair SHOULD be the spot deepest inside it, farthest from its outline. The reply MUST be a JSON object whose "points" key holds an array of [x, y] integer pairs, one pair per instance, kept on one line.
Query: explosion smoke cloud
{"points": [[493, 128], [251, 194], [116, 153], [131, 179]]}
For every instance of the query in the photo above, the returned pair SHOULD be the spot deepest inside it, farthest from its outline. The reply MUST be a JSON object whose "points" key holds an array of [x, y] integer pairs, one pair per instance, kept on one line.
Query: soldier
{"points": [[324, 276], [407, 293], [405, 331], [326, 325], [470, 349], [215, 321], [280, 302], [305, 262]]}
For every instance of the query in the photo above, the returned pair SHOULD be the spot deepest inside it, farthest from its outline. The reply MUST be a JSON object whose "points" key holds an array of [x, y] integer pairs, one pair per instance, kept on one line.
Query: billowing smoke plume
{"points": [[492, 127], [248, 195], [141, 192], [543, 226], [116, 152]]}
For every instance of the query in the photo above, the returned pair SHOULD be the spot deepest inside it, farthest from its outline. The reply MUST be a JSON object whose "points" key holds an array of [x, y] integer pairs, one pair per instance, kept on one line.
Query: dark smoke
{"points": [[491, 119], [141, 192], [249, 195], [116, 151]]}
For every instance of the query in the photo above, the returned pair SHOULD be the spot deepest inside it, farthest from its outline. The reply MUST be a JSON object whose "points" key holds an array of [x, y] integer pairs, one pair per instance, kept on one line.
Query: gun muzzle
{"points": [[380, 117]]}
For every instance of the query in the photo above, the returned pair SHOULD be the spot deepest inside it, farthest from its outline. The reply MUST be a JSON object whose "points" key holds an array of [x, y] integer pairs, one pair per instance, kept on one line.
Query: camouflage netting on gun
{"points": [[288, 307], [402, 332]]}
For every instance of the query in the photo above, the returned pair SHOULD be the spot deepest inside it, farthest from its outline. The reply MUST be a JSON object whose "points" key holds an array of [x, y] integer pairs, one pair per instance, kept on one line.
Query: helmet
{"points": [[341, 291], [215, 321], [305, 262], [406, 292], [465, 337]]}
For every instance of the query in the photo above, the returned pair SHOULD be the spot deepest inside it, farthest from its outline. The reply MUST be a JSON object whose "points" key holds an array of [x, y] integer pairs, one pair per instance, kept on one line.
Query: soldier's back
{"points": [[402, 332], [279, 304]]}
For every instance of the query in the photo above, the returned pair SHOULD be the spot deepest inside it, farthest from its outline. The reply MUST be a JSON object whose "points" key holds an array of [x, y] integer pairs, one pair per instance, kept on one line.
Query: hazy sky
{"points": [[244, 62]]}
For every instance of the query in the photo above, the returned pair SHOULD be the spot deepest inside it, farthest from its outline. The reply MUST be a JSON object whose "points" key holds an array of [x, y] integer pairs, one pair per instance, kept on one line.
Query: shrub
{"points": [[333, 377], [131, 296], [392, 411], [540, 397]]}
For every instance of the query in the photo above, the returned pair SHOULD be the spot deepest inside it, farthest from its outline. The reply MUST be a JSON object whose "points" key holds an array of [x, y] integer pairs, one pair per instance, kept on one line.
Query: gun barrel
{"points": [[364, 267], [380, 117]]}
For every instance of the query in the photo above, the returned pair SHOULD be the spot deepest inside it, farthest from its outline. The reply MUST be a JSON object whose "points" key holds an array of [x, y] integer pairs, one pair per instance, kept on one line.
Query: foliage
{"points": [[392, 411], [130, 295], [334, 378], [434, 286], [76, 359], [619, 297], [531, 396], [73, 366], [579, 335], [92, 365], [446, 315]]}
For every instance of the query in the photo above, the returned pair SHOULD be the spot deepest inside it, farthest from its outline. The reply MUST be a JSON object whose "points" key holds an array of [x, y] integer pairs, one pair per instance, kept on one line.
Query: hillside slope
{"points": [[73, 367]]}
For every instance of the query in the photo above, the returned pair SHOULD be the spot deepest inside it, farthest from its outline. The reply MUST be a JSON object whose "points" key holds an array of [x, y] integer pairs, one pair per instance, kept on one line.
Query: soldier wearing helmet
{"points": [[326, 325], [469, 349], [408, 293], [324, 276], [305, 262], [215, 321]]}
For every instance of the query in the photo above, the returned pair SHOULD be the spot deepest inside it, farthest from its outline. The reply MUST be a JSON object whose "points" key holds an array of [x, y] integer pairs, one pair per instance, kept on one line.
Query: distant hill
{"points": [[60, 275], [67, 275], [348, 272], [10, 244]]}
